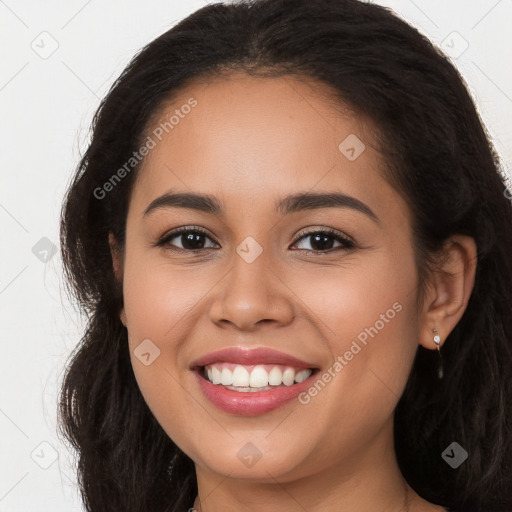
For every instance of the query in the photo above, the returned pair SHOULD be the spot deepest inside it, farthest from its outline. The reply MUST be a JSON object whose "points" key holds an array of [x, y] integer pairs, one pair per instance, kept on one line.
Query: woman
{"points": [[293, 242]]}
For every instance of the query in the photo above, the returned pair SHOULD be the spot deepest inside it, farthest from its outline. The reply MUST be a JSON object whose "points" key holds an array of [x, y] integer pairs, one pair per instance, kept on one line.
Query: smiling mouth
{"points": [[253, 378]]}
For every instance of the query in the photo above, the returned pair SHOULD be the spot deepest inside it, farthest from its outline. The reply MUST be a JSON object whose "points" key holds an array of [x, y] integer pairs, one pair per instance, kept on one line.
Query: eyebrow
{"points": [[290, 204]]}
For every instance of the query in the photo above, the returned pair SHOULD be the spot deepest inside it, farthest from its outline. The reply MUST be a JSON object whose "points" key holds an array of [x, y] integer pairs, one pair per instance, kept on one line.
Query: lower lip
{"points": [[253, 402]]}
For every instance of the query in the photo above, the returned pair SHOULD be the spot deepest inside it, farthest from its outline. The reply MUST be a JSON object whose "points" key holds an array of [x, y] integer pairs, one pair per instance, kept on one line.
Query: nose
{"points": [[251, 296]]}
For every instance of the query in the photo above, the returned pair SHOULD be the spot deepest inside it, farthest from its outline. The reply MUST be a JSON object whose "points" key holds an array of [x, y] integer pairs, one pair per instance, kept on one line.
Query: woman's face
{"points": [[259, 280]]}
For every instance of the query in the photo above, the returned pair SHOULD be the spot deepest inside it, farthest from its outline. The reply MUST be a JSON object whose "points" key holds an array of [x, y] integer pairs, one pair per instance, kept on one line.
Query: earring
{"points": [[437, 341]]}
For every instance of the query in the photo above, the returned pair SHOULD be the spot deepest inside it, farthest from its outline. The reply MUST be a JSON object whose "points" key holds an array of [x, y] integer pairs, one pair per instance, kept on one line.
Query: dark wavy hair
{"points": [[438, 157]]}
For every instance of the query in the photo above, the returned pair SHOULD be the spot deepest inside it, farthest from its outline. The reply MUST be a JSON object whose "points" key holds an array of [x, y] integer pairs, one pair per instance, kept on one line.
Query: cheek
{"points": [[369, 324], [158, 296], [367, 315], [367, 299], [160, 303]]}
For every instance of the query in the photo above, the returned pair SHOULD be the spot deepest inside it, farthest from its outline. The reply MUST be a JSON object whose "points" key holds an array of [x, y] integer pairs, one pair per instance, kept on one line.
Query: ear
{"points": [[117, 264], [449, 290]]}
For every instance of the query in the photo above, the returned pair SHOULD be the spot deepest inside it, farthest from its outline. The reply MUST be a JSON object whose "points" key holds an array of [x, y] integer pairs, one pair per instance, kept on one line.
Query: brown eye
{"points": [[190, 239], [324, 240]]}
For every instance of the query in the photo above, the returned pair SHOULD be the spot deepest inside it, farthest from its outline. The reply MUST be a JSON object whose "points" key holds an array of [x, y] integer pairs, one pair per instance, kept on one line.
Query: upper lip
{"points": [[250, 356]]}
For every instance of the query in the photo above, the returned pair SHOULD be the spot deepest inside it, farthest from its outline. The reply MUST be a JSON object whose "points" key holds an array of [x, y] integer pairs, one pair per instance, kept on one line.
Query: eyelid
{"points": [[173, 233], [331, 231]]}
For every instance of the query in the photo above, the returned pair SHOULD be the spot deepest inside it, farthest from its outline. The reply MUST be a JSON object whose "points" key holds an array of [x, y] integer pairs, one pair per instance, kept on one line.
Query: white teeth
{"points": [[216, 375], [288, 376], [302, 375], [259, 377], [240, 377], [275, 376], [226, 378]]}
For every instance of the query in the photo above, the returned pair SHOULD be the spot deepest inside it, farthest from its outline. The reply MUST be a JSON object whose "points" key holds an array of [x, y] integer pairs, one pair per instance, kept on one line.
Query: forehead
{"points": [[247, 137]]}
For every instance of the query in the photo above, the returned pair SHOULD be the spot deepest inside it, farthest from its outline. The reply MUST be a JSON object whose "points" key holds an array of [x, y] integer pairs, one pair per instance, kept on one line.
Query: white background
{"points": [[47, 105]]}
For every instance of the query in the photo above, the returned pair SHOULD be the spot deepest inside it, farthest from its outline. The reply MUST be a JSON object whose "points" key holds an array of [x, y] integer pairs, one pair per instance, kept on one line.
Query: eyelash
{"points": [[346, 242]]}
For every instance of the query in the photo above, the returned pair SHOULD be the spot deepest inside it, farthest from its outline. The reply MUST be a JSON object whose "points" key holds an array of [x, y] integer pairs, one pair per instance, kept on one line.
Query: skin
{"points": [[249, 142]]}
